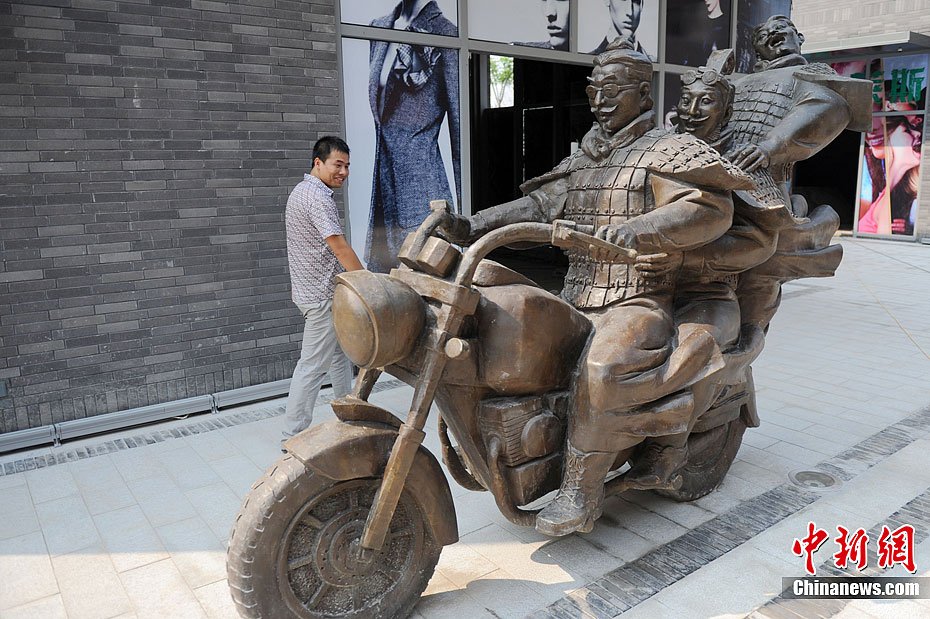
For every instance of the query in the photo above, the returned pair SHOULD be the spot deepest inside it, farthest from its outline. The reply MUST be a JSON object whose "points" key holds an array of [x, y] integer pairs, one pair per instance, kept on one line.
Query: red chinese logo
{"points": [[809, 545], [897, 547], [894, 547], [851, 549]]}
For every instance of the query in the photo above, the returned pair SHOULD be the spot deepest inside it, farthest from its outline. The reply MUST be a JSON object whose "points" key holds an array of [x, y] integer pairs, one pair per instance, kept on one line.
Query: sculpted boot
{"points": [[656, 467], [578, 503]]}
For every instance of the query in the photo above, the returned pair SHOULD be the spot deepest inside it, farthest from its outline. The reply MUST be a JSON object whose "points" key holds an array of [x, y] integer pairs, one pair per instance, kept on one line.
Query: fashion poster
{"points": [[694, 29], [601, 21], [892, 148], [904, 84], [402, 125], [749, 14], [534, 23], [670, 102], [399, 15], [891, 176]]}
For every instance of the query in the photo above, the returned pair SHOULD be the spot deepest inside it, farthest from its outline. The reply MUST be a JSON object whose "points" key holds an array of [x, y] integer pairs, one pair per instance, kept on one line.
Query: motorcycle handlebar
{"points": [[561, 233]]}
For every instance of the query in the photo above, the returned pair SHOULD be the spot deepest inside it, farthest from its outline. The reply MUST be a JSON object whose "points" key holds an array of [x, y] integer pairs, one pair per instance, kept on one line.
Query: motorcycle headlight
{"points": [[377, 319]]}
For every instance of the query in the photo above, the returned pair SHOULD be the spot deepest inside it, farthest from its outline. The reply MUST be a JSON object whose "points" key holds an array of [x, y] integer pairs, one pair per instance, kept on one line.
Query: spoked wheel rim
{"points": [[319, 573]]}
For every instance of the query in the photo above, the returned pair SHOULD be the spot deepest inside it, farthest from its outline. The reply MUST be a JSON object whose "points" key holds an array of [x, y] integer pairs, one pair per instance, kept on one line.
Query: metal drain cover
{"points": [[814, 480]]}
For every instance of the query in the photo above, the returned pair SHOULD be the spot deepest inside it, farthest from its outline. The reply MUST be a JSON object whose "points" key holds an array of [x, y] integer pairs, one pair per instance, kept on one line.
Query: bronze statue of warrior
{"points": [[789, 109], [765, 142], [705, 297], [784, 112], [661, 194]]}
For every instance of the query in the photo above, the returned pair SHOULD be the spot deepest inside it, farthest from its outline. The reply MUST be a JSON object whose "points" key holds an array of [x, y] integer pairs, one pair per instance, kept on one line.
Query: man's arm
{"points": [[344, 252]]}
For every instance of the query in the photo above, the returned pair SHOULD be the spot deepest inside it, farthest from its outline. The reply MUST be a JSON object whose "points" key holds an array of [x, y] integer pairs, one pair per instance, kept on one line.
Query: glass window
{"points": [[601, 21], [501, 81], [534, 23], [695, 28], [749, 14]]}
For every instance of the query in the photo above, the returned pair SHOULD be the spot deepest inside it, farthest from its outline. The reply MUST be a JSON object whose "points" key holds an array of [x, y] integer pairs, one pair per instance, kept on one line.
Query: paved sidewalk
{"points": [[134, 524]]}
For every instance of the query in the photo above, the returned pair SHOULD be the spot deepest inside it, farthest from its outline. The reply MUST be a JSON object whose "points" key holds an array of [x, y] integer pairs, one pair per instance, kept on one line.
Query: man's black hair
{"points": [[327, 145]]}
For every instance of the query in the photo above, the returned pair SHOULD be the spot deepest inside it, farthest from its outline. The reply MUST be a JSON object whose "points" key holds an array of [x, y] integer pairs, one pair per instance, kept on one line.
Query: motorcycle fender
{"points": [[343, 451]]}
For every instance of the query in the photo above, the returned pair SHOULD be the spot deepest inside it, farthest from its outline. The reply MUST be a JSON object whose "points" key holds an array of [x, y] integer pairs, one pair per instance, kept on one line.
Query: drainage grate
{"points": [[814, 480]]}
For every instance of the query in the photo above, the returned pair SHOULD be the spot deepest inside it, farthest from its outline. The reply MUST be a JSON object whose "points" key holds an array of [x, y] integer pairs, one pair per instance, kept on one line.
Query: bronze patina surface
{"points": [[678, 243]]}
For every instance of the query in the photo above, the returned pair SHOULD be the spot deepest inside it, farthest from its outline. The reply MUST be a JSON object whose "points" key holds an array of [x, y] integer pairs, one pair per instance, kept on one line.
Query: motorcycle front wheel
{"points": [[291, 551]]}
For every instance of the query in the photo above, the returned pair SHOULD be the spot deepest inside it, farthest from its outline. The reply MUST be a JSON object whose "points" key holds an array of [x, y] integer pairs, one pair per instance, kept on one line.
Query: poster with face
{"points": [[670, 103], [601, 21], [534, 23], [749, 14], [432, 16], [891, 175], [403, 133], [695, 28]]}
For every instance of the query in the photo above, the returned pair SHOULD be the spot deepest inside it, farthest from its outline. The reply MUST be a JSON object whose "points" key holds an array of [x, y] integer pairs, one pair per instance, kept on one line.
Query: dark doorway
{"points": [[831, 177], [549, 116]]}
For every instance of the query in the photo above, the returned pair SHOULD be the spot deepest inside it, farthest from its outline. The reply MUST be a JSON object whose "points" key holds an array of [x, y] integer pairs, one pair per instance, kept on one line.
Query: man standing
{"points": [[317, 251]]}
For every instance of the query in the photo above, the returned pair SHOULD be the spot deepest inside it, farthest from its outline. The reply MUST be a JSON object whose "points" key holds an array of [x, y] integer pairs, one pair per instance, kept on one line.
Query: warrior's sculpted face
{"points": [[702, 109], [615, 101], [777, 38]]}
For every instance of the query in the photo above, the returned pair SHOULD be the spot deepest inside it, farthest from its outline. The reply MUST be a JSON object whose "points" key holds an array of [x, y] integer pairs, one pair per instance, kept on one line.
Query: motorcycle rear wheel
{"points": [[710, 455], [290, 552]]}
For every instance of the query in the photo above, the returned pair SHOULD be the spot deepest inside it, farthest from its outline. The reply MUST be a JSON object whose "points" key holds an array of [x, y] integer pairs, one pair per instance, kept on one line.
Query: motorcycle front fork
{"points": [[409, 438]]}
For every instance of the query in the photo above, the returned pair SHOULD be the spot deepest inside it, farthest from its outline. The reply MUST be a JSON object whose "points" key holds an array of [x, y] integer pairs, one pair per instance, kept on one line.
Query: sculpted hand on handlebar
{"points": [[646, 190]]}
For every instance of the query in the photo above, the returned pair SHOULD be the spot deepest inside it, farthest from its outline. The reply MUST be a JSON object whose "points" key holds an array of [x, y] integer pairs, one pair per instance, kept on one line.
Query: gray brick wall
{"points": [[823, 21], [147, 148]]}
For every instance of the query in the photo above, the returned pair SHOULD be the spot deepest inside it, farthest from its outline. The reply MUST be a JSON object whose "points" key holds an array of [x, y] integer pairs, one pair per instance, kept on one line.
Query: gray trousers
{"points": [[319, 354]]}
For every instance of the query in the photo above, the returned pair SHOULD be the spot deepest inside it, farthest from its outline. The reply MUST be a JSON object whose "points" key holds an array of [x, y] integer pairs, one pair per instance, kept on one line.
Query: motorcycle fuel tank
{"points": [[528, 340]]}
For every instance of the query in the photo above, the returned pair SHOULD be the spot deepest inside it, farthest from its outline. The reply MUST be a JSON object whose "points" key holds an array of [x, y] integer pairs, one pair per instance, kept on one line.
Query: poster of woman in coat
{"points": [[402, 124]]}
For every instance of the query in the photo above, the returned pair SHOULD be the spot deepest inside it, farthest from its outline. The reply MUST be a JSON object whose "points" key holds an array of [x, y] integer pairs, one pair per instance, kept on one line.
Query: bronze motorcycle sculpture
{"points": [[351, 522]]}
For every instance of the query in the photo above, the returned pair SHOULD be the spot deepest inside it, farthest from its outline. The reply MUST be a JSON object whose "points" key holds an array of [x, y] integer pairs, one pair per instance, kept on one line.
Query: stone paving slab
{"points": [[842, 387]]}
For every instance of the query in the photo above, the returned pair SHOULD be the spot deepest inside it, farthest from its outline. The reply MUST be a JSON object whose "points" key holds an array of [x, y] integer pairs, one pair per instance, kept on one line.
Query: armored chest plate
{"points": [[602, 193], [760, 104]]}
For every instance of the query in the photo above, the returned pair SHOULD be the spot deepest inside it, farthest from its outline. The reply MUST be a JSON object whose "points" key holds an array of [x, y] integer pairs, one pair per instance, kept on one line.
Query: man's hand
{"points": [[750, 157], [656, 266], [455, 228]]}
